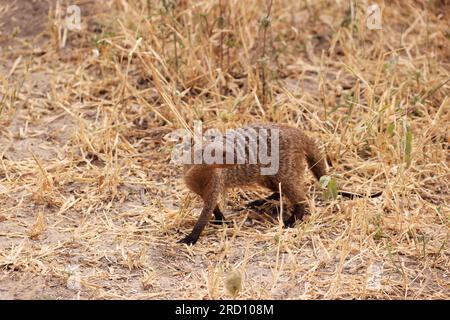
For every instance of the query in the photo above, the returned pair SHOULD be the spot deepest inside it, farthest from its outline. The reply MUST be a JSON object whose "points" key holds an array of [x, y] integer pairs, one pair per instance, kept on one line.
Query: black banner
{"points": [[228, 309]]}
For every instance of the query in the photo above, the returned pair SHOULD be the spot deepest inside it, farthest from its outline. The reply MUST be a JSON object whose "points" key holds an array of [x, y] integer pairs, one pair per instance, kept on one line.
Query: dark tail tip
{"points": [[376, 194], [352, 195]]}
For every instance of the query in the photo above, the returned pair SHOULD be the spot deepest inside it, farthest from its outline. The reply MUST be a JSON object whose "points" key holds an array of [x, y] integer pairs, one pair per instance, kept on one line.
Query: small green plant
{"points": [[424, 240], [408, 144], [391, 257], [277, 238], [329, 186], [391, 129], [379, 228]]}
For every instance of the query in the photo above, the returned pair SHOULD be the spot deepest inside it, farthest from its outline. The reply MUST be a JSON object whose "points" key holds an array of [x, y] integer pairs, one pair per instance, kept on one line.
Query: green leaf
{"points": [[277, 238], [332, 187], [390, 129]]}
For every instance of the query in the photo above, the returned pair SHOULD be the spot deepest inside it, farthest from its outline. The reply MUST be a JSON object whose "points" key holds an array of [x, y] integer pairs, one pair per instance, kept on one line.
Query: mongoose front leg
{"points": [[296, 196], [199, 226], [259, 202]]}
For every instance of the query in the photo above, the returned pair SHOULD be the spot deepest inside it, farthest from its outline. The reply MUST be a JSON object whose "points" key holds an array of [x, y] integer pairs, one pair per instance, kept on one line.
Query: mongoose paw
{"points": [[289, 223], [188, 240]]}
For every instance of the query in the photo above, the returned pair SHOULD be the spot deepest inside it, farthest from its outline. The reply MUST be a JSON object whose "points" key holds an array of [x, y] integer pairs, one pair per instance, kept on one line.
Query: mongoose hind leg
{"points": [[260, 202], [218, 215]]}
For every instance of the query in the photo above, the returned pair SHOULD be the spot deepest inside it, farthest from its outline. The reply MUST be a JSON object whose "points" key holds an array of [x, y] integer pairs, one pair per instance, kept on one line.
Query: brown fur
{"points": [[296, 151]]}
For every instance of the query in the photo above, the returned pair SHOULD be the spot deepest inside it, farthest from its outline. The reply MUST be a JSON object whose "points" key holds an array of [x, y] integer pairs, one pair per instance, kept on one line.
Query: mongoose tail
{"points": [[318, 167]]}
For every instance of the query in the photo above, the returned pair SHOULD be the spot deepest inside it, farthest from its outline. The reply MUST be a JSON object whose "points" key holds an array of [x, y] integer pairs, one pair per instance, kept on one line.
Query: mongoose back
{"points": [[296, 152]]}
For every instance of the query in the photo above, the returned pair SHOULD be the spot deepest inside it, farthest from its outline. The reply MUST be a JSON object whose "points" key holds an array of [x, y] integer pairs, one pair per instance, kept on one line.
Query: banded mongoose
{"points": [[296, 151]]}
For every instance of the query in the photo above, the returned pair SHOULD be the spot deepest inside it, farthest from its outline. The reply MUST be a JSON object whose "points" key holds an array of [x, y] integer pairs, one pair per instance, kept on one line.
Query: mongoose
{"points": [[296, 151]]}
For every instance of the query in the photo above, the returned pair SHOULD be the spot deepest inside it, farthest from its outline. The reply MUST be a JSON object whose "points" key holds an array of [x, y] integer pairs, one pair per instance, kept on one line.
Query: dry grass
{"points": [[92, 209]]}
